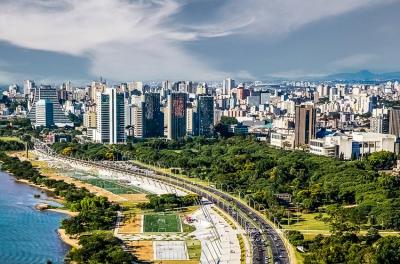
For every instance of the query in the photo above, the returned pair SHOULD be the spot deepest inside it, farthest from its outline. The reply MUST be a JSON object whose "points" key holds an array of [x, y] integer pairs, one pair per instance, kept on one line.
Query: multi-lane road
{"points": [[263, 236]]}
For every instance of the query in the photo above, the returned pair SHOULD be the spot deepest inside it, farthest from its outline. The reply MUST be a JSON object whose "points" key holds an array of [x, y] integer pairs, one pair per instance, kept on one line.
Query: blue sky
{"points": [[123, 40]]}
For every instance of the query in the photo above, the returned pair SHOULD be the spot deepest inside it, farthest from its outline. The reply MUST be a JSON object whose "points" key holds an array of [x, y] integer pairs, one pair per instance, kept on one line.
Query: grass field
{"points": [[112, 187], [194, 249], [153, 223], [11, 139]]}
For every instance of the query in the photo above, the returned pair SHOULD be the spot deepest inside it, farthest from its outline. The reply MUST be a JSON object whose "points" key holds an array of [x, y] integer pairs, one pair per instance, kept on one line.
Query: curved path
{"points": [[262, 234]]}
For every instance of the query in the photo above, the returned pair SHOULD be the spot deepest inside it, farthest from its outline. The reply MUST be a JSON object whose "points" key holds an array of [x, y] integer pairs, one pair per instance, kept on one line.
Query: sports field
{"points": [[161, 223], [112, 187]]}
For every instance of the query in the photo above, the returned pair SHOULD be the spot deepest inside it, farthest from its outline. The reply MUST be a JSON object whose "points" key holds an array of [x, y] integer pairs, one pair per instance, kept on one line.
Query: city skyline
{"points": [[197, 40]]}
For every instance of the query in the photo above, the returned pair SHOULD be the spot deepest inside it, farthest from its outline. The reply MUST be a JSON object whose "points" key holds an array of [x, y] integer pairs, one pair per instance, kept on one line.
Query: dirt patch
{"points": [[135, 198], [67, 239], [131, 225], [143, 250]]}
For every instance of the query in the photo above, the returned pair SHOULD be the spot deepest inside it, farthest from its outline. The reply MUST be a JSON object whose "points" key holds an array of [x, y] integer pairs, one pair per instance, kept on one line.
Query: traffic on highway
{"points": [[262, 234]]}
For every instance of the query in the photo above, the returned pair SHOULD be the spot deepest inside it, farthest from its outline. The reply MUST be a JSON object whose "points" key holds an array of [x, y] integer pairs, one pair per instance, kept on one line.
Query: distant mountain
{"points": [[363, 76]]}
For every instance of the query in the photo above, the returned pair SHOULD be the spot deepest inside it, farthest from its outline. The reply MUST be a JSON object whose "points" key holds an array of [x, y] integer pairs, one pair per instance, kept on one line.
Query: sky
{"points": [[52, 41]]}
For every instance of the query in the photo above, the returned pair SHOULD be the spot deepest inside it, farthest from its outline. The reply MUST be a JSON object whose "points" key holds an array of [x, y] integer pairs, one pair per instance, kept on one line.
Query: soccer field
{"points": [[161, 223]]}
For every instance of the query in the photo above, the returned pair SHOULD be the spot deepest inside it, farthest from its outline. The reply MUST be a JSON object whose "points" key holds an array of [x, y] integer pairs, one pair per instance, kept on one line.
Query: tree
{"points": [[387, 250], [27, 139], [382, 160]]}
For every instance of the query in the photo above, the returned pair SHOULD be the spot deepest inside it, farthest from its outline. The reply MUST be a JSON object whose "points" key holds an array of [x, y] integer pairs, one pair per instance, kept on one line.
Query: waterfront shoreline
{"points": [[67, 239]]}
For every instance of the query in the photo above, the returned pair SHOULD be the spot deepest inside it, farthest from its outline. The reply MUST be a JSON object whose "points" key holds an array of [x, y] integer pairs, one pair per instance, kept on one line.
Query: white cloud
{"points": [[133, 39], [279, 16]]}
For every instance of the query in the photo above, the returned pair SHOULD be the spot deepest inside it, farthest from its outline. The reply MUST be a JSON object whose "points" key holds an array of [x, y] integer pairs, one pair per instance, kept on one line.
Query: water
{"points": [[27, 236]]}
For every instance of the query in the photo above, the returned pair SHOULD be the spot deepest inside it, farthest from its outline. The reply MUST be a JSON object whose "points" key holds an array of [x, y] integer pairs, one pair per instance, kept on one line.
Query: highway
{"points": [[262, 234]]}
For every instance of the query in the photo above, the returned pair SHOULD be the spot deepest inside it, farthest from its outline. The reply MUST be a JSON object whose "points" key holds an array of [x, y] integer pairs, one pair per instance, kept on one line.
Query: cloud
{"points": [[124, 39], [278, 16], [354, 61], [140, 39]]}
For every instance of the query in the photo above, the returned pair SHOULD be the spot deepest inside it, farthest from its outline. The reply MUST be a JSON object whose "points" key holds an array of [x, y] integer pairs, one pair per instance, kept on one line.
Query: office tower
{"points": [[129, 115], [305, 120], [205, 112], [177, 105], [110, 116], [153, 120], [138, 116], [117, 116], [227, 86], [29, 85], [394, 121], [47, 92], [103, 117], [44, 115]]}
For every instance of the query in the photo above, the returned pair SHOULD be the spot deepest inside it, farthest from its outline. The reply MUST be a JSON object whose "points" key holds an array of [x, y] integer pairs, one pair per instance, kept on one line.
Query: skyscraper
{"points": [[205, 111], [44, 113], [110, 108], [28, 86], [50, 93], [103, 117], [305, 128], [117, 116], [177, 105], [153, 119], [227, 85], [394, 121]]}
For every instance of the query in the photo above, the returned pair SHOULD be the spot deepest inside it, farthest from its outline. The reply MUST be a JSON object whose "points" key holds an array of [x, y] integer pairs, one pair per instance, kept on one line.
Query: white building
{"points": [[110, 116], [353, 145], [44, 113], [364, 143], [282, 140]]}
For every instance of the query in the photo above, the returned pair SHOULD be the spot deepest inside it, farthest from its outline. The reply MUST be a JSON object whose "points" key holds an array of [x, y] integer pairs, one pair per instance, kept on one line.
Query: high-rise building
{"points": [[191, 121], [177, 105], [227, 86], [110, 107], [50, 93], [394, 121], [103, 117], [89, 119], [138, 116], [117, 116], [153, 120], [379, 124], [96, 87], [44, 113], [305, 124], [28, 86], [205, 112]]}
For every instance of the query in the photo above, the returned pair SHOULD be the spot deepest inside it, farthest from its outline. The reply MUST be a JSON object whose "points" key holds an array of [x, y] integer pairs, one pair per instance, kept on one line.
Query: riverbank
{"points": [[46, 170], [67, 239], [27, 235]]}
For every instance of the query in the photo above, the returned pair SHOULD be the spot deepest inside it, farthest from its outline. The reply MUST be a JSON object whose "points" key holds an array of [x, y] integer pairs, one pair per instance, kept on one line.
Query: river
{"points": [[27, 236]]}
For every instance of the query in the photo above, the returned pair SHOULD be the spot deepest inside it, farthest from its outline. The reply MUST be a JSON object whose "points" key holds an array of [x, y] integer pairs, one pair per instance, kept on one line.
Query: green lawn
{"points": [[194, 249], [11, 139], [161, 223], [113, 187]]}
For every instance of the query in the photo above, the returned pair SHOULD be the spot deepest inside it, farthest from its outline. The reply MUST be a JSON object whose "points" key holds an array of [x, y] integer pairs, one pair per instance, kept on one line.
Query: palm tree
{"points": [[27, 139]]}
